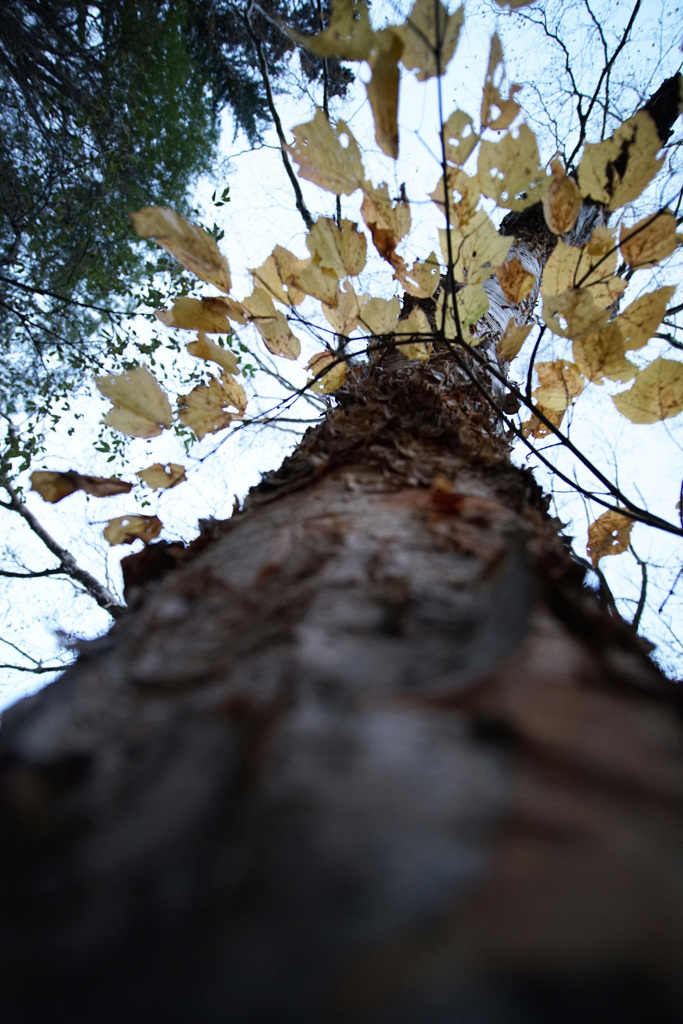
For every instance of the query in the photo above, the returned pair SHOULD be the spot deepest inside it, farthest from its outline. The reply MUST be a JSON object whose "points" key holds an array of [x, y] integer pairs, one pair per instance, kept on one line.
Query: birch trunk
{"points": [[372, 753]]}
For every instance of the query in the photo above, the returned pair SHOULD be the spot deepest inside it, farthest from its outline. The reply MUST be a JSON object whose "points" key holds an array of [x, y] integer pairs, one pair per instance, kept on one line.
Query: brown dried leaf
{"points": [[331, 378], [348, 36], [509, 172], [601, 354], [512, 340], [388, 222], [141, 408], [126, 529], [562, 202], [161, 476], [382, 89], [204, 348], [422, 279], [195, 315], [610, 534], [560, 383], [492, 97], [460, 211], [477, 249], [268, 277], [307, 275], [427, 25], [459, 136], [344, 318], [516, 282], [272, 325], [205, 410], [649, 240], [53, 486], [535, 427], [616, 171], [323, 159], [415, 325], [190, 245], [657, 393], [592, 267], [572, 314], [341, 249], [380, 316]]}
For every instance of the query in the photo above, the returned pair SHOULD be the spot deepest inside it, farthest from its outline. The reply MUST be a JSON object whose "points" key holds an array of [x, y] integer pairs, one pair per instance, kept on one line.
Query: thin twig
{"points": [[263, 66]]}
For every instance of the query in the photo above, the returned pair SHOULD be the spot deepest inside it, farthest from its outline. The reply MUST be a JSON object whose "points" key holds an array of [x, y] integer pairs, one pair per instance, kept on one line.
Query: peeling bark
{"points": [[371, 753]]}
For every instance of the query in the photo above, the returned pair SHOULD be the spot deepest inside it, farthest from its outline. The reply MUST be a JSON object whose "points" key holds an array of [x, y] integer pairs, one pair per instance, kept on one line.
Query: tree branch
{"points": [[263, 67], [68, 564]]}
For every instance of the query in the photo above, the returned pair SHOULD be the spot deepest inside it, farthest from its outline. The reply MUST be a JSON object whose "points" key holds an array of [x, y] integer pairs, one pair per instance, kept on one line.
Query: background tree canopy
{"points": [[104, 108]]}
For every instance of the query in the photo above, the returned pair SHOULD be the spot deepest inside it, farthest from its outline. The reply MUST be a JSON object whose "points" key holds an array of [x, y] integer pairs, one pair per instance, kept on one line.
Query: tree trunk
{"points": [[372, 753]]}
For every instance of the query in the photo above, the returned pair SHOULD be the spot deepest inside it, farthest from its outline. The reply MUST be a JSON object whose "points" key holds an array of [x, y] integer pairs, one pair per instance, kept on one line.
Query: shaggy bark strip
{"points": [[371, 753]]}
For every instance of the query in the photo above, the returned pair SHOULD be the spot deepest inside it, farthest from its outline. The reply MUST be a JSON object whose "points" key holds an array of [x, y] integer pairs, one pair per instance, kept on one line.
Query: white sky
{"points": [[261, 214]]}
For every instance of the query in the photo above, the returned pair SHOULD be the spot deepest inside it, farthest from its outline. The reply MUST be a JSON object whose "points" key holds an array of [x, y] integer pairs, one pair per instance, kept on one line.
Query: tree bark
{"points": [[372, 753]]}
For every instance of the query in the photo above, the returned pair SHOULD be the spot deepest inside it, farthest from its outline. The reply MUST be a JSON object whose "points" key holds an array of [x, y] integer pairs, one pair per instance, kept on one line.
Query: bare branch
{"points": [[68, 564], [263, 67]]}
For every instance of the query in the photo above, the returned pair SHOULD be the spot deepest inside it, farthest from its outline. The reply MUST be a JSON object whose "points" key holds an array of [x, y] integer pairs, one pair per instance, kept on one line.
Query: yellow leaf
{"points": [[610, 534], [307, 275], [341, 249], [460, 211], [161, 476], [471, 303], [512, 340], [380, 316], [382, 89], [141, 408], [323, 159], [459, 136], [509, 172], [53, 486], [204, 348], [268, 277], [516, 282], [657, 393], [126, 529], [429, 27], [572, 314], [348, 36], [190, 245], [591, 267], [492, 98], [414, 325], [562, 201], [344, 318], [272, 325], [204, 409], [422, 279], [649, 240], [640, 320], [328, 380], [476, 250], [600, 354], [210, 314], [616, 171], [559, 384], [388, 222]]}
